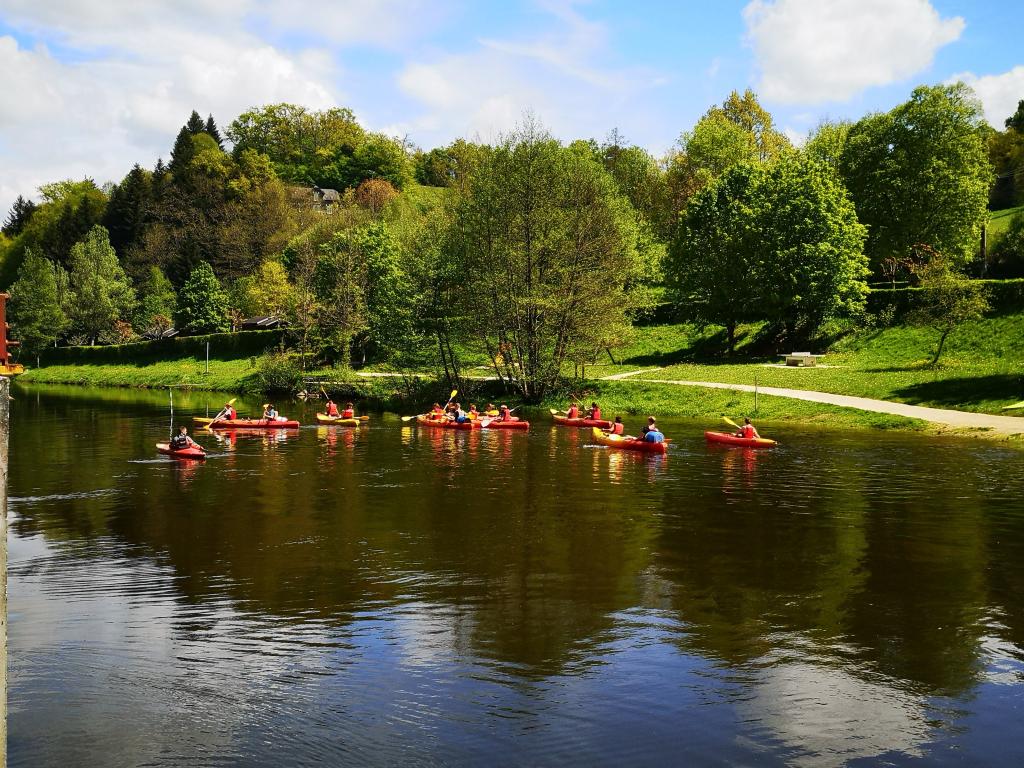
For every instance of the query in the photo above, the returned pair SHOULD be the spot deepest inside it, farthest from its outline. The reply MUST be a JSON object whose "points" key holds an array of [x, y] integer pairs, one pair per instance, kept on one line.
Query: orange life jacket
{"points": [[348, 413], [332, 409]]}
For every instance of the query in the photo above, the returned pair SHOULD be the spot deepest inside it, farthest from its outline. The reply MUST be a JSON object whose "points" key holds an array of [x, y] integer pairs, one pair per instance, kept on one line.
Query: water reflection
{"points": [[393, 590]]}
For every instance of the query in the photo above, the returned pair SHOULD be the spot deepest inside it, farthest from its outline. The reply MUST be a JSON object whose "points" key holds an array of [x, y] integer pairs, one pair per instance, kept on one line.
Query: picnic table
{"points": [[801, 359]]}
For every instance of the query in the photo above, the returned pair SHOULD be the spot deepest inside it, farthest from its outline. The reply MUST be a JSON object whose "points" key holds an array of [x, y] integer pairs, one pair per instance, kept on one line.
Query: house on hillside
{"points": [[325, 198]]}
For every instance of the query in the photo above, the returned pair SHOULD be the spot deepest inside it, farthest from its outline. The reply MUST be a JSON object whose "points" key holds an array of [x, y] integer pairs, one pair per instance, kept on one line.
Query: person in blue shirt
{"points": [[651, 433]]}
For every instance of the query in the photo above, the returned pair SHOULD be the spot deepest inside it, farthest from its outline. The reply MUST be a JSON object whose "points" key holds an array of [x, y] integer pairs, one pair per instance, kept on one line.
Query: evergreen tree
{"points": [[195, 124], [202, 303], [182, 153], [127, 210], [102, 293], [1016, 120], [16, 220], [37, 318], [214, 132]]}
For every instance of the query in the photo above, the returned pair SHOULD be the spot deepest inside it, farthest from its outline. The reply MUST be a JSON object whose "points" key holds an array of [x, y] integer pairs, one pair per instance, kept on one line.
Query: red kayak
{"points": [[745, 442], [191, 452], [515, 423], [426, 421], [565, 421], [245, 423]]}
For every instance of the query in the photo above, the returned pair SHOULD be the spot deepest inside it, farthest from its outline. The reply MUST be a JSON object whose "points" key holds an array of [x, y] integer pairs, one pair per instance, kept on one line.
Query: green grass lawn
{"points": [[999, 222], [982, 368], [225, 375]]}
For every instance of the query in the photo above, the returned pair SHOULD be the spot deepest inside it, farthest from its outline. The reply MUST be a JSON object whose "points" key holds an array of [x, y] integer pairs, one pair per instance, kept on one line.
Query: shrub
{"points": [[276, 372]]}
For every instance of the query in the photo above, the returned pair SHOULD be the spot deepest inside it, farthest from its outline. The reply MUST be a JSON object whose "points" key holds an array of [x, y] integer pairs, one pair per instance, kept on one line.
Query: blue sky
{"points": [[92, 88]]}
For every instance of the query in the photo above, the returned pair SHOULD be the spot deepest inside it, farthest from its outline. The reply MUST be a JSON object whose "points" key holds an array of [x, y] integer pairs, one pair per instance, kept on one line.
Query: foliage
{"points": [[202, 303], [266, 292], [1008, 252], [826, 144], [919, 174], [277, 373], [952, 300], [778, 242], [375, 194], [37, 317], [102, 293], [451, 166], [1016, 120], [19, 216], [555, 246], [157, 302], [129, 209]]}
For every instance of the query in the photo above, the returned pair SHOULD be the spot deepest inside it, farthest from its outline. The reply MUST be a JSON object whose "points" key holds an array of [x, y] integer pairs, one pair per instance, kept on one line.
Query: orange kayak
{"points": [[564, 421], [426, 421], [190, 452], [745, 442]]}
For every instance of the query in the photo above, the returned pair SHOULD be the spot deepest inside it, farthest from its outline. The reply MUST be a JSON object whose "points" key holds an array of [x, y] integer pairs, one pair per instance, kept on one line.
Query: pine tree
{"points": [[195, 124], [182, 153], [127, 210], [202, 303], [213, 131], [16, 220]]}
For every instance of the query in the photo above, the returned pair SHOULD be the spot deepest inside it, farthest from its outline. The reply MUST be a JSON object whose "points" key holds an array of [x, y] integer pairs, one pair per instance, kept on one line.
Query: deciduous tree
{"points": [[202, 303], [102, 292], [37, 317]]}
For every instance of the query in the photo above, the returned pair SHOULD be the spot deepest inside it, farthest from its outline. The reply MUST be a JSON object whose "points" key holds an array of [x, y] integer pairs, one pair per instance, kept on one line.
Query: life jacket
{"points": [[348, 413], [596, 414], [506, 415], [332, 409], [573, 412], [748, 431], [179, 441], [618, 427], [231, 415], [654, 436]]}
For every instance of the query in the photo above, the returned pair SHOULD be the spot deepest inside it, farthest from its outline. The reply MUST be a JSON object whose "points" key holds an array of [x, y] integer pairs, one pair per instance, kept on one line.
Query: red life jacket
{"points": [[332, 409], [596, 415], [618, 427], [348, 413], [231, 415], [748, 431], [573, 412]]}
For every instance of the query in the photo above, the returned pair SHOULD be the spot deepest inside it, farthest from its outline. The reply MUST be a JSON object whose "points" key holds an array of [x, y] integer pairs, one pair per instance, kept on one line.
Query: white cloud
{"points": [[560, 74], [810, 52], [999, 94]]}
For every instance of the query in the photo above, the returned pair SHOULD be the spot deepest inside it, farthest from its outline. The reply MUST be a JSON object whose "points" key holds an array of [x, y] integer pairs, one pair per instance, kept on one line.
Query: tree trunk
{"points": [[730, 331], [942, 342]]}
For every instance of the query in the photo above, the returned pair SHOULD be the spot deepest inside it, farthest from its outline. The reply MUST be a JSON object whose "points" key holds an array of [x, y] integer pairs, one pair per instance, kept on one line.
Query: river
{"points": [[394, 596]]}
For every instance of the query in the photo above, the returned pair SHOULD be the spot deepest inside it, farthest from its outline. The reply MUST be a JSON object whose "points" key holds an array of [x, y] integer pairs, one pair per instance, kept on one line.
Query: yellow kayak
{"points": [[340, 422]]}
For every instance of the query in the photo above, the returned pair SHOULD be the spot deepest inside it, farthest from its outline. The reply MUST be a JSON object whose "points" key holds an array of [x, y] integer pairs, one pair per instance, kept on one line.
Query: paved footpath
{"points": [[1006, 425]]}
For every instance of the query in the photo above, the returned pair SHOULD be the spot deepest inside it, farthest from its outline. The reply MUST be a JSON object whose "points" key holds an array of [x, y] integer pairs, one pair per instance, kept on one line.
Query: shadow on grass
{"points": [[706, 350], [965, 391]]}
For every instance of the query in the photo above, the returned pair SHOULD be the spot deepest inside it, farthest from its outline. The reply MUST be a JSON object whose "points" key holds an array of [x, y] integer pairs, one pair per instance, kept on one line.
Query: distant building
{"points": [[325, 198], [266, 323], [154, 334]]}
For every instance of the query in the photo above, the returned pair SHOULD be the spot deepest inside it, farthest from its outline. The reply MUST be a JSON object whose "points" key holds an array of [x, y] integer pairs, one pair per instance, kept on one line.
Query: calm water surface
{"points": [[400, 597]]}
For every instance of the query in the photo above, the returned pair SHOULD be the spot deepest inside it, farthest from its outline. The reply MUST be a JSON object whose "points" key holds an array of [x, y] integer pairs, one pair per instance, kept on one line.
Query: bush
{"points": [[223, 346], [1002, 296], [1008, 252], [276, 373]]}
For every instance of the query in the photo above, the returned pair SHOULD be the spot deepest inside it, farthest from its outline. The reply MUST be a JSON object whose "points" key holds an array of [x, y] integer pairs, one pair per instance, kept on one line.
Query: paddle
{"points": [[730, 422], [223, 412], [450, 398]]}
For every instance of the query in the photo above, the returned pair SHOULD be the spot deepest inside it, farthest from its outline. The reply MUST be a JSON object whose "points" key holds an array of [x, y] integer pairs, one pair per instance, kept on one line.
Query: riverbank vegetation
{"points": [[537, 262]]}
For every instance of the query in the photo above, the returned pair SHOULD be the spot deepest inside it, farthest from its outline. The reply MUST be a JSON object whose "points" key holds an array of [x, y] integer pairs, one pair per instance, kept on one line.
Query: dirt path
{"points": [[1006, 425]]}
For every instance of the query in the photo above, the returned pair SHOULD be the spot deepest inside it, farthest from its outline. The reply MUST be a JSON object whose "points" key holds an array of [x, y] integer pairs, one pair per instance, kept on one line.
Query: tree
{"points": [[341, 310], [213, 131], [19, 216], [387, 293], [949, 301], [811, 264], [267, 292], [157, 302], [548, 226], [202, 303], [128, 210], [1008, 252], [714, 254], [1016, 120], [37, 317], [919, 174], [195, 124], [374, 194], [101, 291], [182, 152], [826, 144], [746, 112]]}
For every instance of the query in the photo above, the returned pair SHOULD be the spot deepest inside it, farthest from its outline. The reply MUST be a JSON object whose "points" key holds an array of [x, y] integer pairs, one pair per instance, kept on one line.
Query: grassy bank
{"points": [[981, 370]]}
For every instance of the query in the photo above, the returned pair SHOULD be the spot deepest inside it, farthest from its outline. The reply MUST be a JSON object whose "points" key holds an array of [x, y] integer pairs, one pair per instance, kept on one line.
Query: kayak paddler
{"points": [[748, 431], [349, 412], [436, 412], [617, 427], [594, 412], [573, 412], [269, 412], [182, 440], [650, 432], [473, 412], [504, 414], [229, 412], [459, 416], [332, 409]]}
